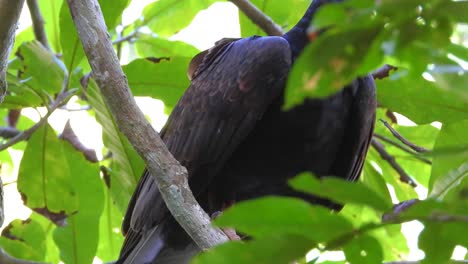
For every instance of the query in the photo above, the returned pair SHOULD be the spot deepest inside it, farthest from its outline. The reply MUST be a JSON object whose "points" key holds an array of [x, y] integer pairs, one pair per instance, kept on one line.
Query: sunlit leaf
{"points": [[78, 239], [126, 166], [277, 215], [164, 79], [167, 17], [272, 249], [340, 191]]}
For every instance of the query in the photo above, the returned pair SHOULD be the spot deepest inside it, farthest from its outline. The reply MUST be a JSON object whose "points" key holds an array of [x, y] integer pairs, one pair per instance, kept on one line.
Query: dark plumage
{"points": [[228, 130]]}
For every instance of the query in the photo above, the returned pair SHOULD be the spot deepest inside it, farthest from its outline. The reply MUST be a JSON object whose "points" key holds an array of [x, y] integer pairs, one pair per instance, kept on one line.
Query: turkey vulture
{"points": [[230, 133]]}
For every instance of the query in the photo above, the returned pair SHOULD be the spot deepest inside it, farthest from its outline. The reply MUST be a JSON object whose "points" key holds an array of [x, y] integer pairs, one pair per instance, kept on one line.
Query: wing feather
{"points": [[225, 100]]}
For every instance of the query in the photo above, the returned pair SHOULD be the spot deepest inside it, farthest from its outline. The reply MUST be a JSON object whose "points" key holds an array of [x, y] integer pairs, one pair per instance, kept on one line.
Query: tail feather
{"points": [[165, 243]]}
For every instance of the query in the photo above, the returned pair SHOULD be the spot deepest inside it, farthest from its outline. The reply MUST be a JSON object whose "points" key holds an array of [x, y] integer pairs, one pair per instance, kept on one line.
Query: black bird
{"points": [[230, 133]]}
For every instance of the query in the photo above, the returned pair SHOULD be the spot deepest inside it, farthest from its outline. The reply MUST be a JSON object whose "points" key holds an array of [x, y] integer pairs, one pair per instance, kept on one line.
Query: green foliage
{"points": [[164, 79], [126, 166], [78, 208]]}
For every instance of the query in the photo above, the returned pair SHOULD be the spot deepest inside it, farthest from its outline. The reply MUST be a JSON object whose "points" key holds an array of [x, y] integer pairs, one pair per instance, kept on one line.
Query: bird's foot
{"points": [[229, 232]]}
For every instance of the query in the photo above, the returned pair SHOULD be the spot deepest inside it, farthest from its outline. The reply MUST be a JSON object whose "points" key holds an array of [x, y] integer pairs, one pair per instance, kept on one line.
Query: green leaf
{"points": [[456, 10], [448, 182], [50, 11], [364, 249], [167, 17], [390, 237], [72, 49], [280, 215], [44, 179], [327, 65], [272, 249], [52, 251], [112, 11], [403, 190], [409, 95], [285, 14], [35, 58], [436, 246], [340, 191], [78, 240], [451, 136], [163, 79], [150, 46], [126, 166], [110, 236], [24, 240], [20, 95]]}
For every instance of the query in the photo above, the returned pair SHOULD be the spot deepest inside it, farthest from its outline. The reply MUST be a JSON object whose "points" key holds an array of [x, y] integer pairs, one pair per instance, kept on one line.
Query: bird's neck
{"points": [[297, 36]]}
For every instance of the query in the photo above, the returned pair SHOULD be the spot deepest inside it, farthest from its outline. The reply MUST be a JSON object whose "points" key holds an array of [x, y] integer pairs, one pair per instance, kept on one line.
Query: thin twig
{"points": [[61, 98], [402, 147], [404, 177], [383, 72], [170, 176], [38, 23], [258, 17], [128, 38], [402, 139]]}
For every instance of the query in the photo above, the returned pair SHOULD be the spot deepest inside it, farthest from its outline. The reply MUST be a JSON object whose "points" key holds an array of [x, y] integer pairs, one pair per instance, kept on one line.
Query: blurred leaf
{"points": [[35, 58], [285, 14], [448, 182], [364, 249], [167, 17], [126, 166], [452, 135], [456, 10], [78, 240], [329, 63], [451, 78], [390, 237], [267, 250], [408, 96], [436, 246], [24, 240], [340, 191], [110, 236], [149, 46], [163, 79], [375, 182], [112, 11], [280, 215], [50, 11], [44, 179]]}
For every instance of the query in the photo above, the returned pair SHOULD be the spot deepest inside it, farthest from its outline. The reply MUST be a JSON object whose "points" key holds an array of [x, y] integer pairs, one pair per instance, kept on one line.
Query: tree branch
{"points": [[10, 11], [38, 23], [258, 17], [402, 139], [170, 175], [402, 147], [404, 177], [61, 98]]}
